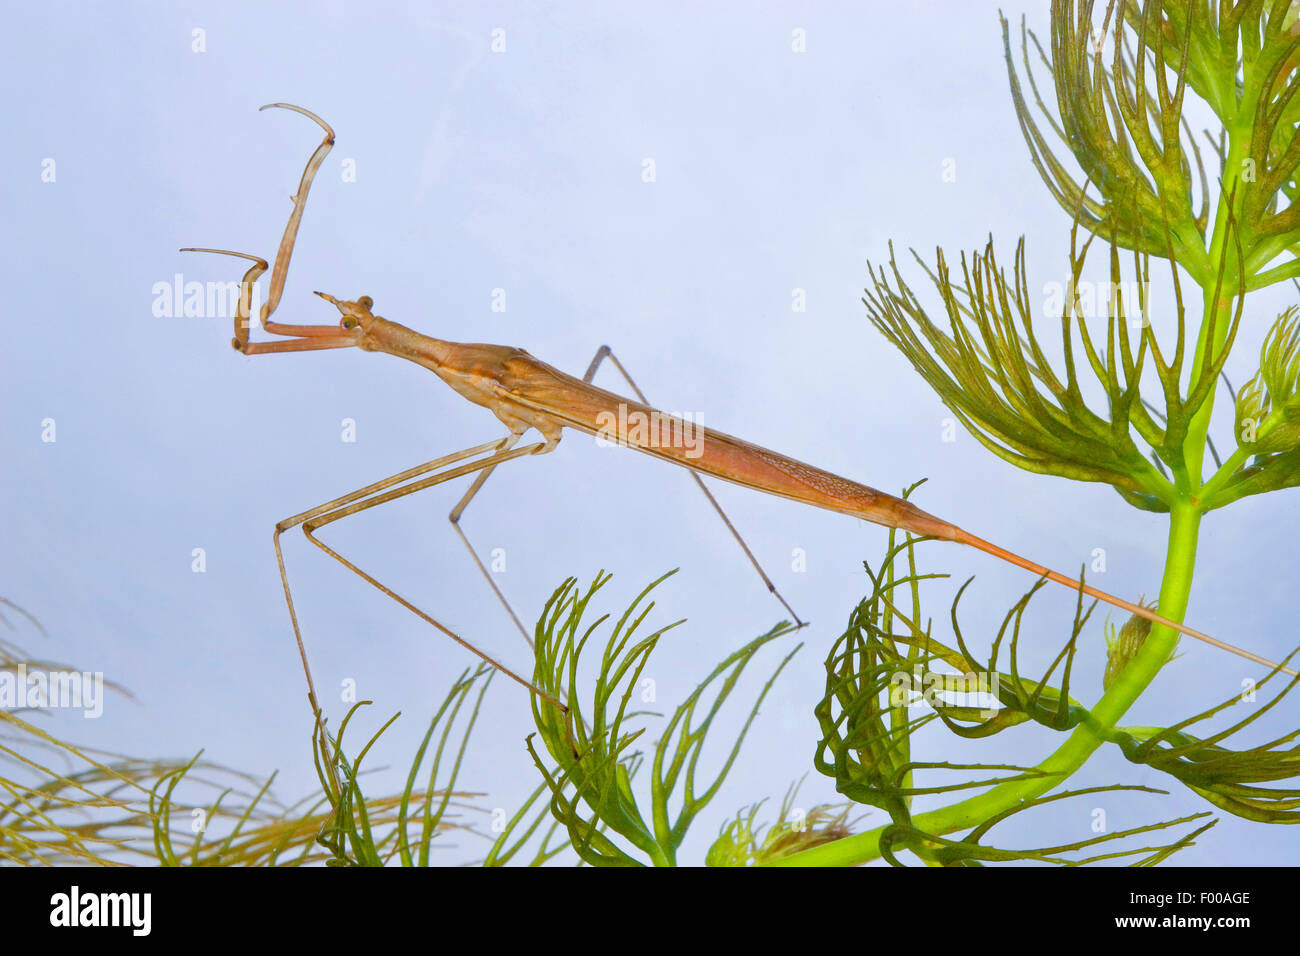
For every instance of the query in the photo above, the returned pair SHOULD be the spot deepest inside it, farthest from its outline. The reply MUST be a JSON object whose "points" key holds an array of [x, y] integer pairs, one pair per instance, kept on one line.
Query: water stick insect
{"points": [[527, 394]]}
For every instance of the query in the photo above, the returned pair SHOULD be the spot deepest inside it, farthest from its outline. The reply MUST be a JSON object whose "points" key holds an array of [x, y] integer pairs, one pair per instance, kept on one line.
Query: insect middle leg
{"points": [[456, 513]]}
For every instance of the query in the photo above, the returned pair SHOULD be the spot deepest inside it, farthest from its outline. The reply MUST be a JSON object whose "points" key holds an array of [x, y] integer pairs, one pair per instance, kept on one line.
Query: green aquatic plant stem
{"points": [[1191, 499]]}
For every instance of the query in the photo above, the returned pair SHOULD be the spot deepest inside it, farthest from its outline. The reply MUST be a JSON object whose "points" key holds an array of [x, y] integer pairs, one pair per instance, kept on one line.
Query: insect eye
{"points": [[349, 323]]}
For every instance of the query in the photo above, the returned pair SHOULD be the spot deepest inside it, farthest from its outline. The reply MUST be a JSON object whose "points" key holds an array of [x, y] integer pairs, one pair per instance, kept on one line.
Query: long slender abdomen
{"points": [[731, 459]]}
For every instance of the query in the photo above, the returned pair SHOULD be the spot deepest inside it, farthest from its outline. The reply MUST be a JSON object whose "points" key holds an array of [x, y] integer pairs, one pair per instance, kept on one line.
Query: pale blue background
{"points": [[522, 171]]}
